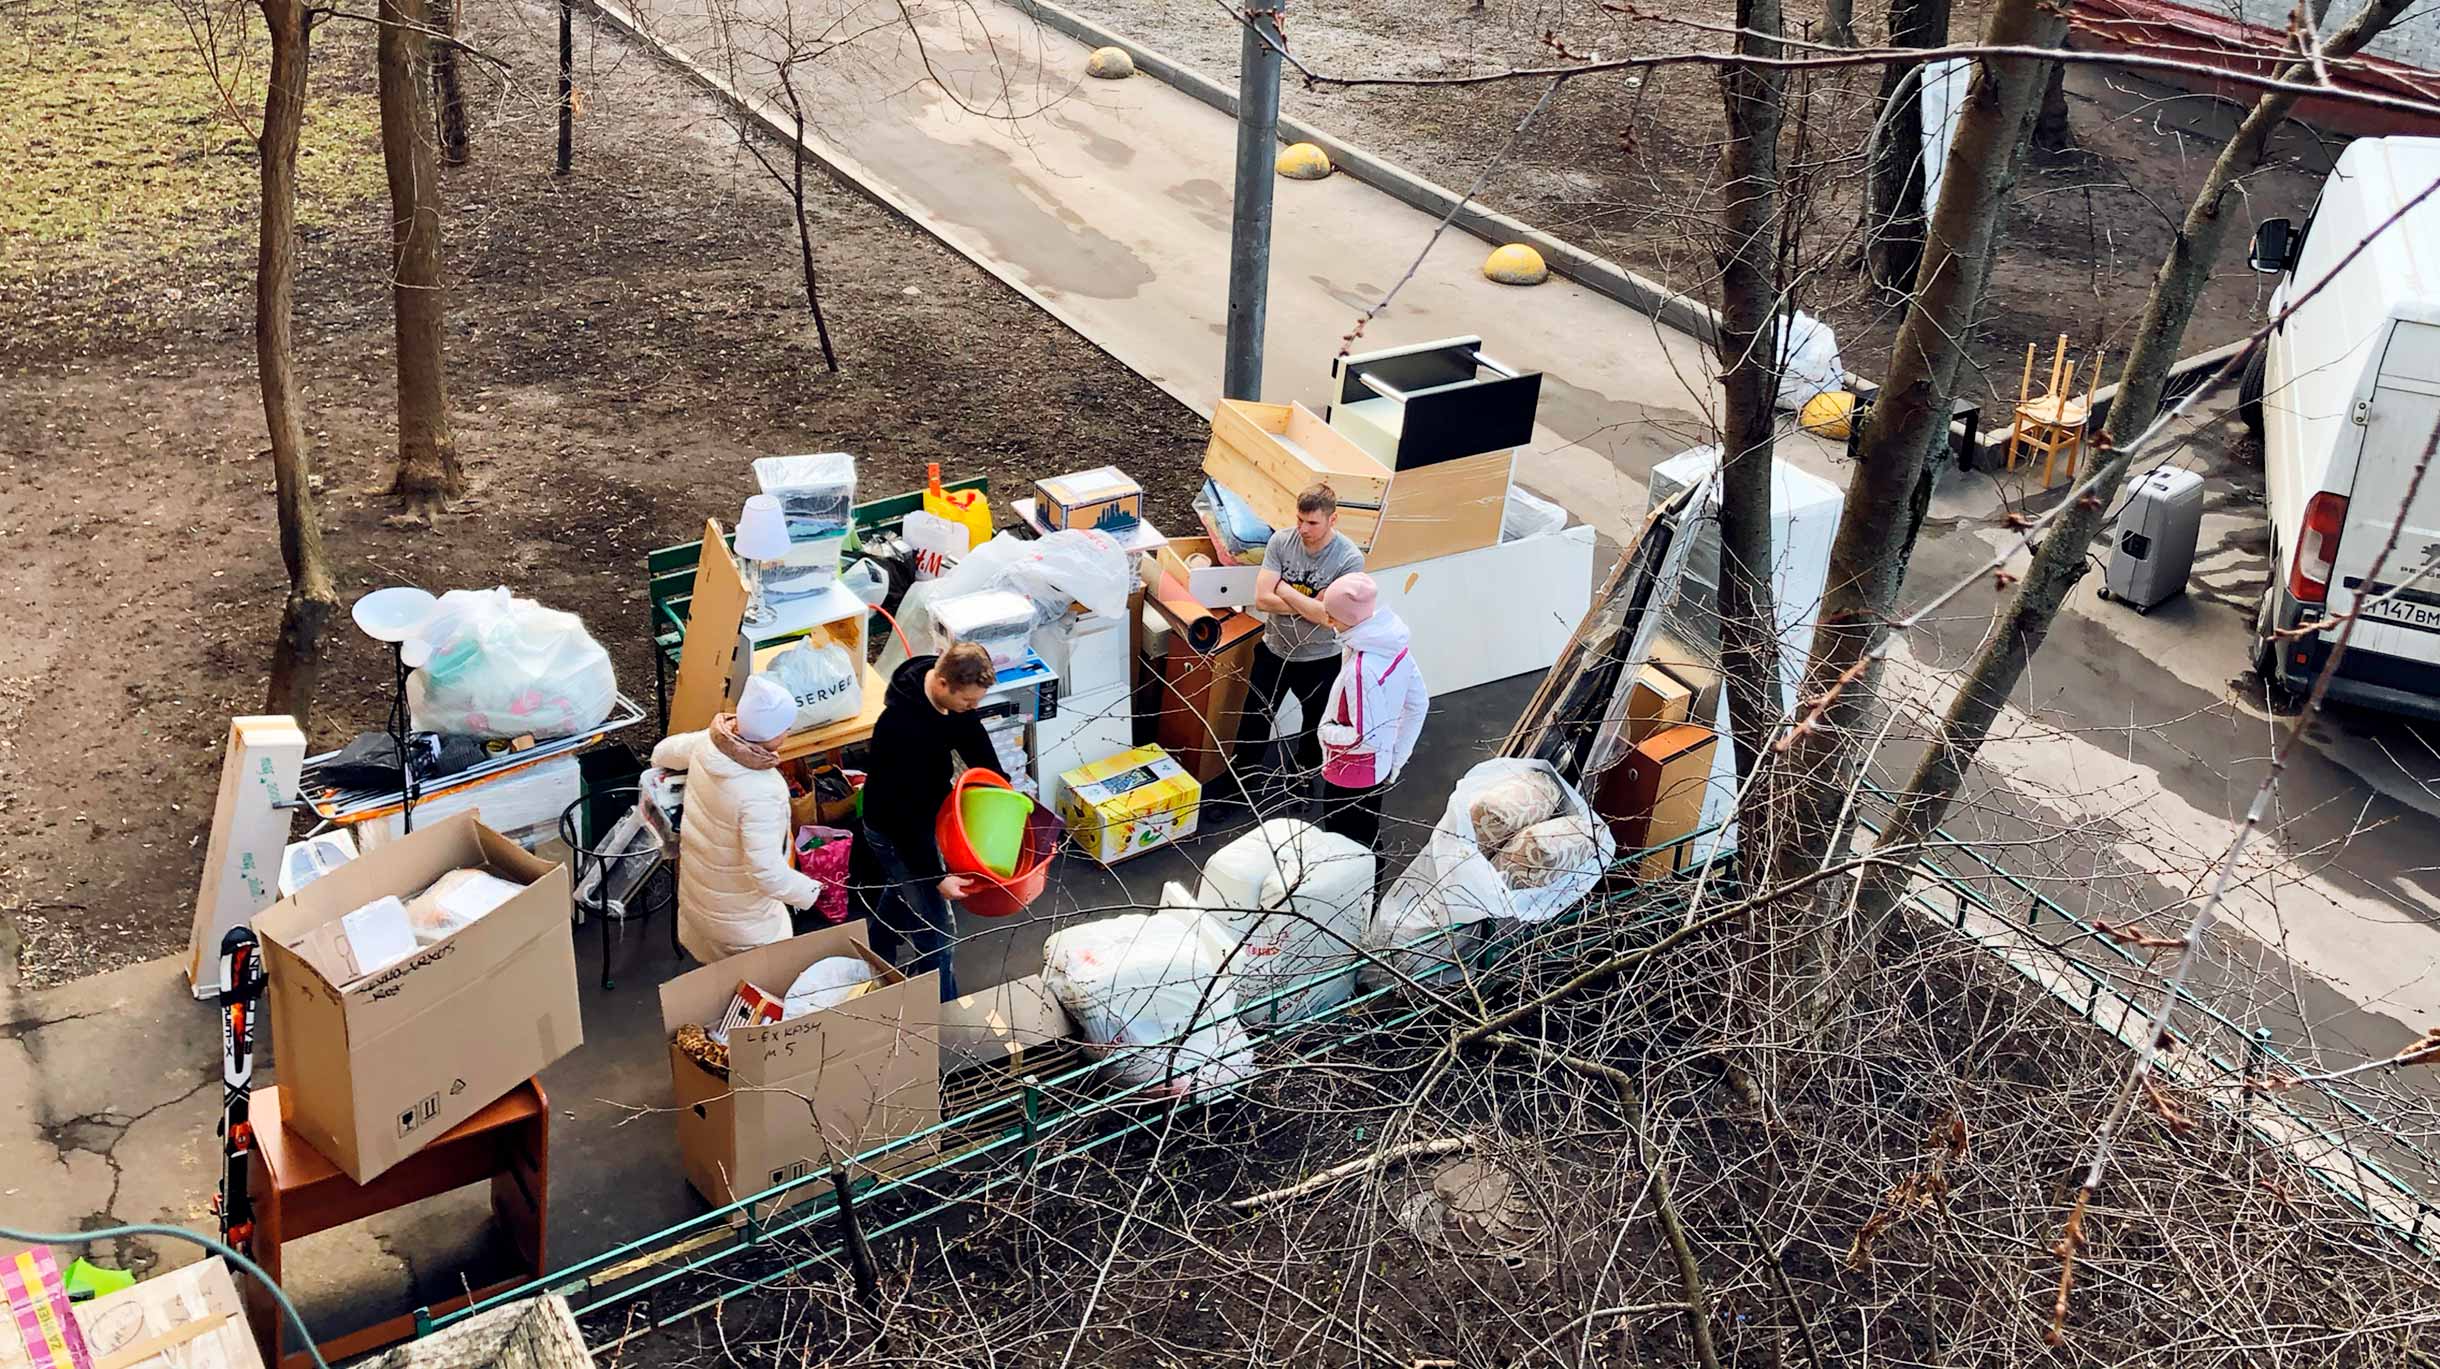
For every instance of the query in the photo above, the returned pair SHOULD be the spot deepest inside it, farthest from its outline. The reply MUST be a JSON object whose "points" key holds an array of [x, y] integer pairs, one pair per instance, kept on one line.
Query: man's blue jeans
{"points": [[911, 911]]}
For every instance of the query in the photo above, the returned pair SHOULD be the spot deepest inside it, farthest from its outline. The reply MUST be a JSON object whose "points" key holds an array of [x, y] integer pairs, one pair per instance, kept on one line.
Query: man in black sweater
{"points": [[927, 714]]}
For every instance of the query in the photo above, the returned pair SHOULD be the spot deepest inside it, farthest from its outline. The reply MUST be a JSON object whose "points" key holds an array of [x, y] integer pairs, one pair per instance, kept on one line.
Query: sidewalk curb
{"points": [[1595, 273]]}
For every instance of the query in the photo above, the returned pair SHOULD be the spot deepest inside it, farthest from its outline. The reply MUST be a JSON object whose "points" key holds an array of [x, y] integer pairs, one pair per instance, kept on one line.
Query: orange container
{"points": [[996, 895]]}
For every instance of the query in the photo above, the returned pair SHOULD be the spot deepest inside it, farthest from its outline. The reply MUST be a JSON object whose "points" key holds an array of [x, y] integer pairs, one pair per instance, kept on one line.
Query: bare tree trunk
{"points": [[1909, 419], [1754, 98], [448, 94], [296, 660], [2060, 562], [428, 471], [1896, 217], [804, 224], [1838, 23], [2050, 133]]}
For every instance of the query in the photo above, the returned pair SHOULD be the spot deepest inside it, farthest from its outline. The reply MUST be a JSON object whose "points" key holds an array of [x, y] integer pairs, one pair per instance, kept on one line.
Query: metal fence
{"points": [[1040, 1122]]}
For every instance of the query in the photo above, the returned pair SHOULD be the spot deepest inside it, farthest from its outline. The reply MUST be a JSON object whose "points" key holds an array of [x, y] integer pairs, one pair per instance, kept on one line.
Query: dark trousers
{"points": [[909, 911], [1272, 680], [1354, 813]]}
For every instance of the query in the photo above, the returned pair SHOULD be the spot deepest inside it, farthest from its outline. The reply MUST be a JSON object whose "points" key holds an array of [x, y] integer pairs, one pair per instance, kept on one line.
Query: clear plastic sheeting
{"points": [[501, 666], [1075, 566], [817, 492], [1147, 993], [1288, 902], [1529, 515], [1808, 361]]}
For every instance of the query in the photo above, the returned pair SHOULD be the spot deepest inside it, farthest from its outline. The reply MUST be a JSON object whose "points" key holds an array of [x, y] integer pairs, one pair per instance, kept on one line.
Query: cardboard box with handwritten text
{"points": [[809, 1090], [373, 1067]]}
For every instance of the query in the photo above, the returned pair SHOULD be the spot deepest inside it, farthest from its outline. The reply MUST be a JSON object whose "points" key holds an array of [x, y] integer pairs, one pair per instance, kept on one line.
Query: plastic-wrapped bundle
{"points": [[1292, 901], [1452, 882], [1148, 993], [1000, 620], [817, 495], [816, 492]]}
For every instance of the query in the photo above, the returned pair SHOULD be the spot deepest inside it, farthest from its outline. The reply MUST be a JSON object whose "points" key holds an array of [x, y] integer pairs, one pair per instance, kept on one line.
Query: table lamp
{"points": [[397, 615], [762, 535]]}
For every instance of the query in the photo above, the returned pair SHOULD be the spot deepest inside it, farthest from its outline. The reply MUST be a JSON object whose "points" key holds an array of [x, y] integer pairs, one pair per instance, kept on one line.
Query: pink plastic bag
{"points": [[821, 853]]}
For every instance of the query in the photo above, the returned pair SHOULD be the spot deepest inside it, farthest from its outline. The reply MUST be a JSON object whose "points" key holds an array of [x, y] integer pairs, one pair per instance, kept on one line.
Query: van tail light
{"points": [[2317, 548]]}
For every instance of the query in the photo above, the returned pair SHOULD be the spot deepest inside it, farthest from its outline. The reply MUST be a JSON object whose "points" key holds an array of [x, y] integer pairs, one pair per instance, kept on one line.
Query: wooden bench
{"points": [[669, 579], [298, 1193]]}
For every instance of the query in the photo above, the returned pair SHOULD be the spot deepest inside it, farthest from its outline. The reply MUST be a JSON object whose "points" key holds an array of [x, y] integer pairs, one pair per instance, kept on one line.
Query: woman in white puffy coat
{"points": [[735, 881]]}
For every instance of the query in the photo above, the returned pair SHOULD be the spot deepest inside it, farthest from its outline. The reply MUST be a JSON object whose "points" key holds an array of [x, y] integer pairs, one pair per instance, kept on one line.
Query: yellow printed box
{"points": [[1129, 803]]}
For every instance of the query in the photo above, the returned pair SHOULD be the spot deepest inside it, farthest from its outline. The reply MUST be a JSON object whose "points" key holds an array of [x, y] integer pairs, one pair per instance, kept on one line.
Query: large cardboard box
{"points": [[1127, 804], [805, 1092], [187, 1318], [371, 1069]]}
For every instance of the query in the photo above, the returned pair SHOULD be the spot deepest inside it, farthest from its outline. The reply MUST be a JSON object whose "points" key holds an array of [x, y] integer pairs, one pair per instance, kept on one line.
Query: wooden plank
{"points": [[241, 862], [1442, 509], [712, 636]]}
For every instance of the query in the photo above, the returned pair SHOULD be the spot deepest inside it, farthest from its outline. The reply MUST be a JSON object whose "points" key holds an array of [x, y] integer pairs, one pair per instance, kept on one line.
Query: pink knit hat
{"points": [[1350, 598]]}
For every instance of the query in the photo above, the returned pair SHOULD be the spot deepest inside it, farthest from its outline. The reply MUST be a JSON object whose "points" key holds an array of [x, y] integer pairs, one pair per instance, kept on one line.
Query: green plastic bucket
{"points": [[994, 820]]}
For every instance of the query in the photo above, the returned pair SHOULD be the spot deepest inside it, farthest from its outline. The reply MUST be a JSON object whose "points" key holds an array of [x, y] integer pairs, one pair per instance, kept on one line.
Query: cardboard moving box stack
{"points": [[372, 1068], [811, 1090]]}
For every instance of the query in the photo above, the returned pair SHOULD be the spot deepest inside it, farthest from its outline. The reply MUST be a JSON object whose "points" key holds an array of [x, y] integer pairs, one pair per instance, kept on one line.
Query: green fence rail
{"points": [[1009, 1138]]}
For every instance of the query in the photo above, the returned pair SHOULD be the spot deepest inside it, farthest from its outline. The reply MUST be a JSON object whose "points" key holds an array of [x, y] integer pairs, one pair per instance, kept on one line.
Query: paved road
{"points": [[2136, 744]]}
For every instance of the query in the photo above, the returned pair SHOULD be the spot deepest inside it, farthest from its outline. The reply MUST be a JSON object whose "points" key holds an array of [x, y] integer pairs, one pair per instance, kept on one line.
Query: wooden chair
{"points": [[2055, 421]]}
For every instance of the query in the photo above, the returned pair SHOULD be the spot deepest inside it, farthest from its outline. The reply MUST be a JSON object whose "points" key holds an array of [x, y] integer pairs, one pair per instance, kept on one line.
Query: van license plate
{"points": [[2403, 612]]}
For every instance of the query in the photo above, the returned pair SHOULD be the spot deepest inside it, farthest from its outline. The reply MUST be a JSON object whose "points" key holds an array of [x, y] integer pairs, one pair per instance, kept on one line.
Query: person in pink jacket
{"points": [[1374, 713]]}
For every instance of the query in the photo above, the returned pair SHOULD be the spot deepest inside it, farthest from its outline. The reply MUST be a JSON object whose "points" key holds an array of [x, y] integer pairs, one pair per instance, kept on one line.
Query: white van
{"points": [[2346, 397]]}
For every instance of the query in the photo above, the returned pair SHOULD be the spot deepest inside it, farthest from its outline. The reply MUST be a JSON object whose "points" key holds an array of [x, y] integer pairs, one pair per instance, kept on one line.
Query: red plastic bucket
{"points": [[992, 895]]}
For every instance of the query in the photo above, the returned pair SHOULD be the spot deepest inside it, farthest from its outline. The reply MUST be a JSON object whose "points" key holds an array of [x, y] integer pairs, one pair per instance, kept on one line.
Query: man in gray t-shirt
{"points": [[1299, 653]]}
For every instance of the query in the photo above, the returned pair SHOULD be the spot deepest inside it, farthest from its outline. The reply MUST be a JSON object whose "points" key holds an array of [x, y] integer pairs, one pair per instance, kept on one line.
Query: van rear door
{"points": [[2398, 429]]}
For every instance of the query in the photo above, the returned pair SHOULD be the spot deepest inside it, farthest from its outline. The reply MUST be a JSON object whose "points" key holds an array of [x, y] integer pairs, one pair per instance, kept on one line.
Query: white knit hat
{"points": [[766, 710]]}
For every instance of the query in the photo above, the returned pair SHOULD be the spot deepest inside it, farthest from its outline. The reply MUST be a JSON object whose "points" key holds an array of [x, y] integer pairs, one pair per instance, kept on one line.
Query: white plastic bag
{"points": [[1145, 991], [1075, 566], [1808, 361], [501, 666], [826, 983], [1529, 515], [823, 679], [1451, 881], [937, 542], [1288, 902]]}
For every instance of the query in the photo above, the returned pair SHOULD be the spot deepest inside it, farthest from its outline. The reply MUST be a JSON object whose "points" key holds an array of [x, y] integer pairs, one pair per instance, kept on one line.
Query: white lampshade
{"points": [[762, 530], [394, 614]]}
